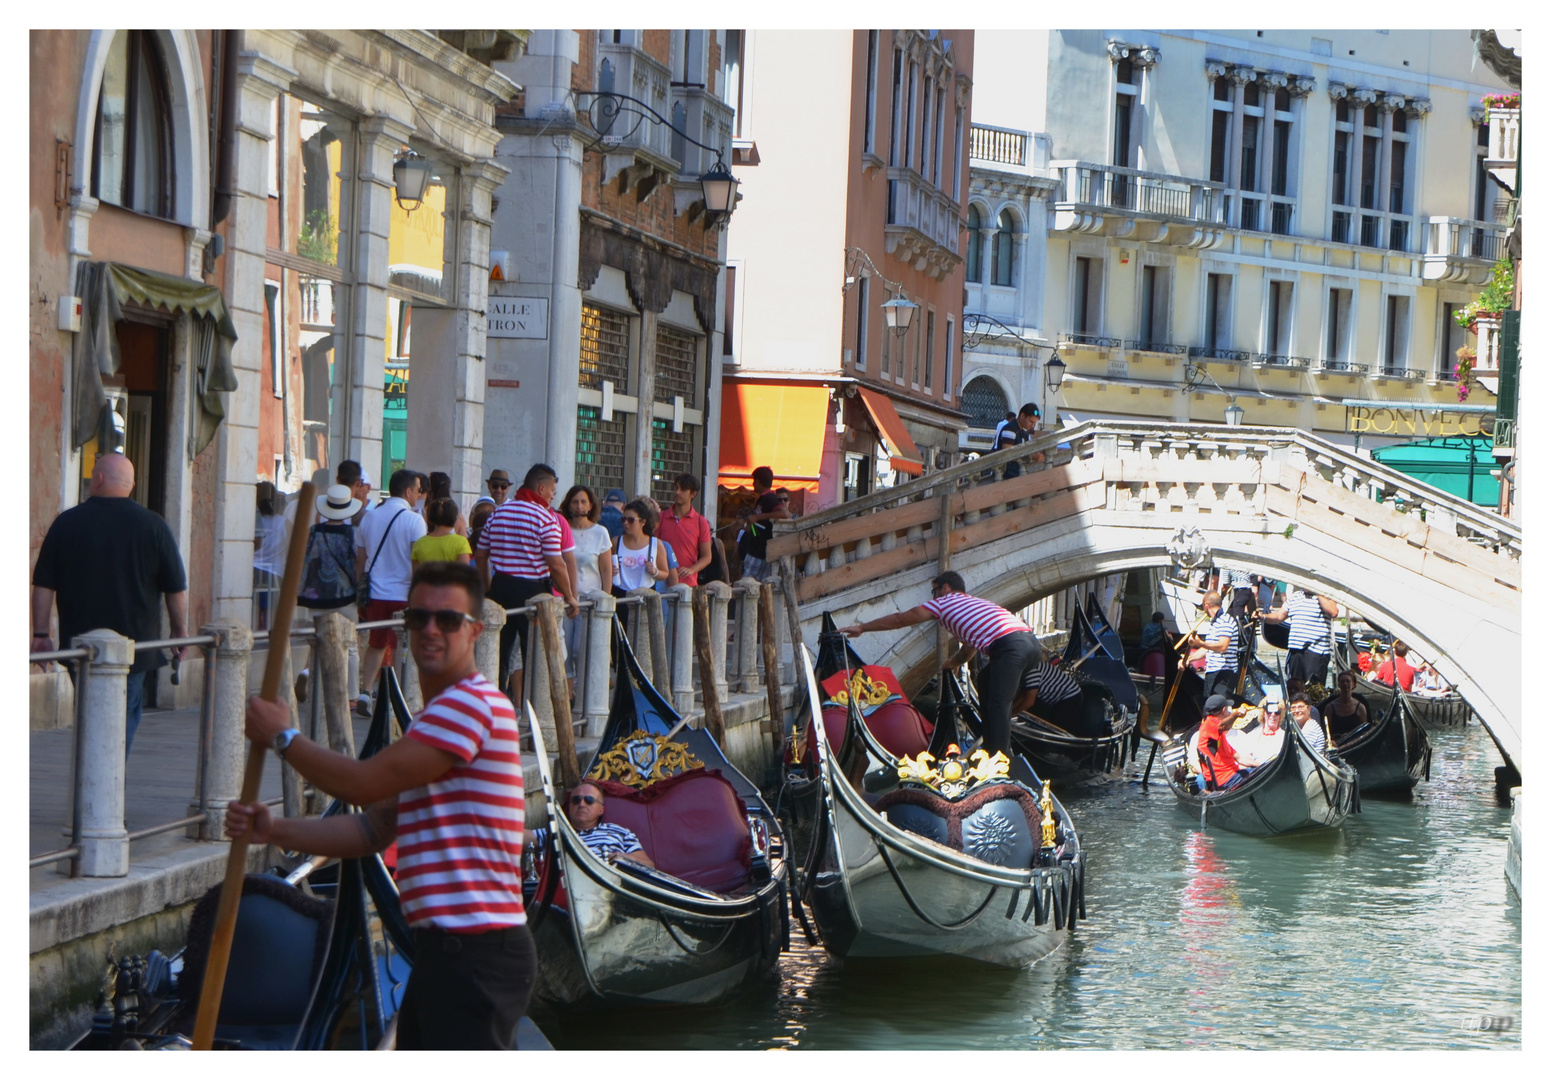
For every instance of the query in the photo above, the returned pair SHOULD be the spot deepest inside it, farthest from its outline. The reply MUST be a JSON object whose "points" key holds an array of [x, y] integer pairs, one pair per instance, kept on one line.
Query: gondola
{"points": [[940, 852], [1062, 757], [1299, 791], [1433, 712], [710, 919], [313, 967], [1392, 753], [1094, 649]]}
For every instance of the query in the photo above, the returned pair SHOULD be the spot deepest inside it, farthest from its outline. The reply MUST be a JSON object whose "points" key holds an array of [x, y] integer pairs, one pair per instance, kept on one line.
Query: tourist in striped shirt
{"points": [[1008, 644], [1308, 634], [584, 809], [520, 557], [1051, 693], [1220, 639], [450, 791]]}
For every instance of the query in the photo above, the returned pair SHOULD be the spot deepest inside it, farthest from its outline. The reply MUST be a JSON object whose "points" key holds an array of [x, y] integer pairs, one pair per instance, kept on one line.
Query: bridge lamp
{"points": [[897, 313], [1234, 413], [1055, 371], [411, 176]]}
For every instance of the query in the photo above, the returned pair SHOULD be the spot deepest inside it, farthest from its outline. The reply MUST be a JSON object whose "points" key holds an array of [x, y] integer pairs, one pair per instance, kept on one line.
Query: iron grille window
{"points": [[605, 349], [984, 401], [673, 453], [1340, 227], [675, 367], [600, 450]]}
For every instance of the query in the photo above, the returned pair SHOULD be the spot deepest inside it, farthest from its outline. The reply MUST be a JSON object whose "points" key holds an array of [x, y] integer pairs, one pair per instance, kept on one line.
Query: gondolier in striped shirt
{"points": [[519, 556], [450, 791], [1052, 694], [1308, 635], [1220, 638], [1007, 642]]}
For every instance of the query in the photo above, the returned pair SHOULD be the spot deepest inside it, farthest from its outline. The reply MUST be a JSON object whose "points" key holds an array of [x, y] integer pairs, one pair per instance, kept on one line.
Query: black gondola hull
{"points": [[1301, 791]]}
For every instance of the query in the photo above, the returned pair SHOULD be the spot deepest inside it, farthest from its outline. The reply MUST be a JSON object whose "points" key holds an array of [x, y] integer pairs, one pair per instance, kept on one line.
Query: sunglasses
{"points": [[447, 621], [500, 484], [578, 800], [631, 520]]}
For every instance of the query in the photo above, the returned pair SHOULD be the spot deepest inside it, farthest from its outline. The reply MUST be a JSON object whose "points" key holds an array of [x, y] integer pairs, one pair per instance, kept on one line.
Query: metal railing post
{"points": [[748, 635], [719, 593], [682, 678], [224, 768], [594, 683], [99, 784]]}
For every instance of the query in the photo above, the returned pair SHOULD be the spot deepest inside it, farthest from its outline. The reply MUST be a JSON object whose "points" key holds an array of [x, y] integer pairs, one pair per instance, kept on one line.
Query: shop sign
{"points": [[1404, 421]]}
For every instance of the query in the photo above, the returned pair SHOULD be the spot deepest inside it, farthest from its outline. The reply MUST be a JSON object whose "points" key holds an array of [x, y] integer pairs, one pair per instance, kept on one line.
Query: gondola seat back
{"points": [[1155, 662], [998, 824], [693, 826], [897, 725]]}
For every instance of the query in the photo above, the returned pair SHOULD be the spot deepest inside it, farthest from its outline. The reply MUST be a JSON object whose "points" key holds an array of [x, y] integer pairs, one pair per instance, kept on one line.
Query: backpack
{"points": [[716, 570], [328, 569]]}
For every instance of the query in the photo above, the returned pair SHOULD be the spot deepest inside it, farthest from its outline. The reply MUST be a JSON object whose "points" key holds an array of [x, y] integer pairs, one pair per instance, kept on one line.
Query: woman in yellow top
{"points": [[441, 544]]}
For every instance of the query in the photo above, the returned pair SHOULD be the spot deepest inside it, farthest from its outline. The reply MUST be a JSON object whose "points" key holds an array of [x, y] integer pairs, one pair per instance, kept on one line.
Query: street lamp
{"points": [[719, 189], [411, 176], [897, 313], [1234, 413], [1055, 371]]}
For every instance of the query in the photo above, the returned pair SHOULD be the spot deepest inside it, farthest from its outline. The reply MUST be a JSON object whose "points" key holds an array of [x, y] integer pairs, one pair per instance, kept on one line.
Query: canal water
{"points": [[1397, 931]]}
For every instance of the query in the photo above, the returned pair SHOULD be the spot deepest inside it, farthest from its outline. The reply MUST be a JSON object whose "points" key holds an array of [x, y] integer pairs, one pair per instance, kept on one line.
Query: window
{"points": [[605, 354], [869, 134], [858, 476], [1250, 152], [1396, 332], [732, 77], [132, 160], [862, 313], [1220, 121], [1122, 150], [1338, 318], [729, 306], [1451, 338], [1279, 313], [895, 141], [600, 449], [1219, 314], [984, 401], [676, 367], [1002, 252], [1339, 178], [947, 359], [1281, 139], [975, 258], [924, 162], [1153, 320], [938, 114], [931, 343], [1085, 294], [958, 149], [910, 118]]}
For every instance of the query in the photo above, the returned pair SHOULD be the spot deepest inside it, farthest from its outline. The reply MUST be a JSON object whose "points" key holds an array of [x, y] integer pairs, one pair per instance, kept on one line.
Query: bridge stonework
{"points": [[1438, 571]]}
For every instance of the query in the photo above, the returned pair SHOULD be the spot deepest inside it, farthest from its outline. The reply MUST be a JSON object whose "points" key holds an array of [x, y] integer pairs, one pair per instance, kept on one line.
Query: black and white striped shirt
{"points": [[1224, 626], [1239, 579], [1053, 684], [1308, 627]]}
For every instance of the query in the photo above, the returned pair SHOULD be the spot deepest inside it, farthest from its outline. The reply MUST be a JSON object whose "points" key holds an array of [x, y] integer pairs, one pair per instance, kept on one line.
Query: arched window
{"points": [[1001, 253], [976, 256], [984, 401], [133, 146]]}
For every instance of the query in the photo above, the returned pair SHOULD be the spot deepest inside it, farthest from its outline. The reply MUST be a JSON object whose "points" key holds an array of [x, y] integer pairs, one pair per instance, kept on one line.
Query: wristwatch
{"points": [[282, 741]]}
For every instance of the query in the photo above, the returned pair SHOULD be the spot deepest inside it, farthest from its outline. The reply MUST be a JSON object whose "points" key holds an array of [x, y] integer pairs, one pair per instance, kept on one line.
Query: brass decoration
{"points": [[799, 744], [1047, 824], [867, 691], [956, 776], [640, 759]]}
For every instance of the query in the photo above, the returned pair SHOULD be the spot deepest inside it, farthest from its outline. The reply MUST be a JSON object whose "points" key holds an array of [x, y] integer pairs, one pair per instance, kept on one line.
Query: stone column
{"points": [[487, 650], [748, 635], [682, 676], [1236, 77], [600, 662], [719, 593], [228, 745], [645, 391], [328, 655], [104, 840]]}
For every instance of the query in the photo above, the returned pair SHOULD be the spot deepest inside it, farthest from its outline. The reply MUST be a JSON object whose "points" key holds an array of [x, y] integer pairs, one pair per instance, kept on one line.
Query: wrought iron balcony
{"points": [[1462, 250], [1339, 367], [1157, 347], [1384, 371], [1093, 341], [1224, 356], [1277, 360]]}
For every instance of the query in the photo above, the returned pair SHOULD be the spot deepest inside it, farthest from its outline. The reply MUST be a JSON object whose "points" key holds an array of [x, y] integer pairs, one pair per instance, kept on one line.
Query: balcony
{"points": [[1132, 204], [636, 150], [1461, 250], [1091, 341], [1373, 228], [999, 146], [1338, 367], [1276, 361], [707, 119], [1164, 347], [923, 224], [1502, 151], [1220, 356]]}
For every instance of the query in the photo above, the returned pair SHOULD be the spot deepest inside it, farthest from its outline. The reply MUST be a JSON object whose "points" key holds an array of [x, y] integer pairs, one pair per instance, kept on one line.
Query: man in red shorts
{"points": [[382, 543]]}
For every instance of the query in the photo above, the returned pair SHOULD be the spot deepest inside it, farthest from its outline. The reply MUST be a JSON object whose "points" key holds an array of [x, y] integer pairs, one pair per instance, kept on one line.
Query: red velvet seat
{"points": [[901, 730], [692, 825]]}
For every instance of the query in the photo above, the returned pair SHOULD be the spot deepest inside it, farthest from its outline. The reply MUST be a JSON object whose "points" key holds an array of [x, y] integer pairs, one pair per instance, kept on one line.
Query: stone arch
{"points": [[985, 385], [189, 121]]}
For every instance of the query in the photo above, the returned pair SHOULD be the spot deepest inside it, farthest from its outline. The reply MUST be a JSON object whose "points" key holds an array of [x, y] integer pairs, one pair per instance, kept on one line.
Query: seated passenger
{"points": [[1153, 636], [1218, 761], [1053, 694], [1429, 683], [1346, 712], [1256, 746], [584, 809], [1310, 728]]}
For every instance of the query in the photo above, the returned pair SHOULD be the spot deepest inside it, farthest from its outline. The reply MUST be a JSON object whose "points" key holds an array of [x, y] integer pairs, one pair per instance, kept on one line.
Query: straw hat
{"points": [[337, 504]]}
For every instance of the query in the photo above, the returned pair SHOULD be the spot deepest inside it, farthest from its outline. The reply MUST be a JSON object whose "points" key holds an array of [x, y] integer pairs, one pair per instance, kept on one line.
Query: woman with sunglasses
{"points": [[584, 810], [639, 559]]}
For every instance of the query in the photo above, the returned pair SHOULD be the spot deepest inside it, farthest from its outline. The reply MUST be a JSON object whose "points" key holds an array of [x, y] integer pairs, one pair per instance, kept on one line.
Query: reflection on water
{"points": [[1193, 939]]}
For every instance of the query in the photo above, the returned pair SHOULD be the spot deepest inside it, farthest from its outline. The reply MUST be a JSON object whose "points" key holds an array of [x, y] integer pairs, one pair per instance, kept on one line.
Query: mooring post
{"points": [[701, 611], [600, 662], [487, 650], [100, 831], [748, 591], [682, 677], [228, 745], [718, 594], [330, 655]]}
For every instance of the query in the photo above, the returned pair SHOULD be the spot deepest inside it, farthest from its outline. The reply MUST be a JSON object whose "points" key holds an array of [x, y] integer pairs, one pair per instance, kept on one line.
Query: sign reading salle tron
{"points": [[517, 317], [1375, 420]]}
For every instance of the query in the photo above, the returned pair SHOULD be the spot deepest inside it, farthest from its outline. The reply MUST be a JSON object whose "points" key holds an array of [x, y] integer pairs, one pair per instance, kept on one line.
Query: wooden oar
{"points": [[237, 859], [1163, 717]]}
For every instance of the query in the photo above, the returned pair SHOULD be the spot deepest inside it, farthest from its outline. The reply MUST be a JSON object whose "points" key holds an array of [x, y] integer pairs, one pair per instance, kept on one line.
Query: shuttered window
{"points": [[600, 450], [605, 349]]}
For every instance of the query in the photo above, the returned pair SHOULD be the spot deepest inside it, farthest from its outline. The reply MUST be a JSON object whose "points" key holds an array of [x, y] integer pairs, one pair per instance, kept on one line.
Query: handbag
{"points": [[363, 588]]}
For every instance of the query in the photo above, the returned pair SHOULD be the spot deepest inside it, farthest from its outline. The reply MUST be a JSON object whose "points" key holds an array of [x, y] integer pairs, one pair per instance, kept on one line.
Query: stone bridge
{"points": [[1438, 571]]}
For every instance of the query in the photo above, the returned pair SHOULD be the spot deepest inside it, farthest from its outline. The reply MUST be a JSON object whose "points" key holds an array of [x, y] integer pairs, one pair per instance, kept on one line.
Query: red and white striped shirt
{"points": [[460, 836], [518, 536], [972, 620]]}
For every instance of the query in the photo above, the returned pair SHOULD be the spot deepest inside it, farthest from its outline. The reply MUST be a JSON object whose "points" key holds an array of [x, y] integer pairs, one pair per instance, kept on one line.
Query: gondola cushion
{"points": [[692, 825], [897, 725], [998, 824]]}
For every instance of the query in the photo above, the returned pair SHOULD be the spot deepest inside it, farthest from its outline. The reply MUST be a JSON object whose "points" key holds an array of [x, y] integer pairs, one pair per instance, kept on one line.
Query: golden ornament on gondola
{"points": [[1047, 824], [640, 759], [956, 776], [867, 691]]}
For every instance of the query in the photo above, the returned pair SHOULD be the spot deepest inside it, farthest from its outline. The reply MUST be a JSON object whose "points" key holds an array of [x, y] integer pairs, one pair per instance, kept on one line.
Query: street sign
{"points": [[517, 317]]}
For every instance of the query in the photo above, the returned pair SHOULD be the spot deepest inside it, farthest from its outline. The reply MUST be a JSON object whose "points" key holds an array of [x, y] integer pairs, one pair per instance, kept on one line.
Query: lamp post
{"points": [[1234, 413], [1055, 372], [897, 313], [411, 176], [719, 189]]}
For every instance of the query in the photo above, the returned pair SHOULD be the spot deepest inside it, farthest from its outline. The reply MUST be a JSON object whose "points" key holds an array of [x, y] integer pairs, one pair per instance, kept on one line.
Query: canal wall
{"points": [[1515, 865]]}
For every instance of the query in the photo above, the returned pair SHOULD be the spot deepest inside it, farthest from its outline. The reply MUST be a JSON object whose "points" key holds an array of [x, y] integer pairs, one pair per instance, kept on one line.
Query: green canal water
{"points": [[1398, 931]]}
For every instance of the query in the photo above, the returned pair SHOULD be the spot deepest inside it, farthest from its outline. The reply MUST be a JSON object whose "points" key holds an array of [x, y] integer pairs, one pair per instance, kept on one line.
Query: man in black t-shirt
{"points": [[107, 562], [1015, 431]]}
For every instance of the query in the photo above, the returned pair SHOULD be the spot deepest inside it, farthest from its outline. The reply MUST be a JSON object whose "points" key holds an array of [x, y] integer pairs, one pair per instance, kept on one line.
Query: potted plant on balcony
{"points": [[1494, 299], [1466, 363], [1500, 101]]}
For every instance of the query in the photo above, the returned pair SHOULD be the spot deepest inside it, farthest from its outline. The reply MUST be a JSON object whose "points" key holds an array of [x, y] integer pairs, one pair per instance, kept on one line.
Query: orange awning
{"points": [[774, 424], [903, 454]]}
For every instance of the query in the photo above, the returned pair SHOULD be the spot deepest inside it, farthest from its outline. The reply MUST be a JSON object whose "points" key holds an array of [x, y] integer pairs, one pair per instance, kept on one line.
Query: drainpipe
{"points": [[226, 150]]}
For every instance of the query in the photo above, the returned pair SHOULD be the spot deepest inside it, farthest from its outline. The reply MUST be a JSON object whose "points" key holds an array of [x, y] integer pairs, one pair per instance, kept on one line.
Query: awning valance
{"points": [[779, 425], [903, 454], [104, 288]]}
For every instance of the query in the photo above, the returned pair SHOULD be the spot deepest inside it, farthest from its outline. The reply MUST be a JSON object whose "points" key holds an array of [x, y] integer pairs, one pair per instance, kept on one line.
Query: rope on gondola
{"points": [[727, 930], [795, 880], [923, 916]]}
